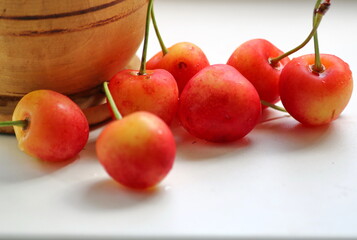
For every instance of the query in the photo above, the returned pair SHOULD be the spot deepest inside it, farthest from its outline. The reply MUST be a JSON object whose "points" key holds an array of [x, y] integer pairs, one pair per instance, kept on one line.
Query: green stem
{"points": [[158, 35], [318, 67], [321, 10], [19, 123], [111, 102], [268, 104], [146, 40]]}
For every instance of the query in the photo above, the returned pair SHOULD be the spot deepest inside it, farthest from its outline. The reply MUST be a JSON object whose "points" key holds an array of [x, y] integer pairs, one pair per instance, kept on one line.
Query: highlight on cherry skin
{"points": [[219, 104], [316, 98], [53, 128], [251, 59], [137, 151], [183, 60]]}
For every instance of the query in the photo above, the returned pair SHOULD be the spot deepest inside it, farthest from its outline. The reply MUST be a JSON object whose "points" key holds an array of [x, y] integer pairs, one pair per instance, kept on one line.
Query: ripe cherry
{"points": [[219, 104], [49, 126], [316, 98], [251, 59]]}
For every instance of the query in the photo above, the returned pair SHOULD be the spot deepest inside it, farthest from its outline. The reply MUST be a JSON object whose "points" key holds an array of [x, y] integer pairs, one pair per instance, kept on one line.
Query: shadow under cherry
{"points": [[106, 194]]}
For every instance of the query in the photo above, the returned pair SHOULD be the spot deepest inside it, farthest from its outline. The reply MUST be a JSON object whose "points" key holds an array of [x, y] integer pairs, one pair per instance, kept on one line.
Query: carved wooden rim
{"points": [[99, 23]]}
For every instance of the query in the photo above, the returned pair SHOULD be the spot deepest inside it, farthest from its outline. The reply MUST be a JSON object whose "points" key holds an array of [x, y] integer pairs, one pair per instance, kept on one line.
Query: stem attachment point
{"points": [[20, 123]]}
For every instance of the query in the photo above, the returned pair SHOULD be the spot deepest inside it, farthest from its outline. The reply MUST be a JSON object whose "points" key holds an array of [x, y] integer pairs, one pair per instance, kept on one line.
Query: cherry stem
{"points": [[111, 102], [318, 67], [316, 41], [158, 35], [274, 118], [268, 104], [146, 40], [19, 123], [320, 11]]}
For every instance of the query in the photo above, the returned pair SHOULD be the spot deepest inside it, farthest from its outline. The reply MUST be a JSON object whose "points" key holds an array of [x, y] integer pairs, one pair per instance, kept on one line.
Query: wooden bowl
{"points": [[67, 46]]}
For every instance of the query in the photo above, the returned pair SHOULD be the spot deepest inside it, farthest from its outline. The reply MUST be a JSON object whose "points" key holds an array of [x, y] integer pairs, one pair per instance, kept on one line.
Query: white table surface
{"points": [[283, 180]]}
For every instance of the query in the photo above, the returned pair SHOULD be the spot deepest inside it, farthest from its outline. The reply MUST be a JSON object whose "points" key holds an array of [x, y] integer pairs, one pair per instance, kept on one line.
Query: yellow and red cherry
{"points": [[137, 151], [183, 60], [155, 91], [251, 59], [219, 105], [49, 126], [316, 98]]}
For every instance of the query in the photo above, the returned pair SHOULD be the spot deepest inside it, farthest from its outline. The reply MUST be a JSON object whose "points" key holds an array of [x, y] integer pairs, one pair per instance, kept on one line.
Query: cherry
{"points": [[138, 150], [252, 60], [219, 104], [316, 98], [316, 88], [49, 126], [183, 60], [154, 91]]}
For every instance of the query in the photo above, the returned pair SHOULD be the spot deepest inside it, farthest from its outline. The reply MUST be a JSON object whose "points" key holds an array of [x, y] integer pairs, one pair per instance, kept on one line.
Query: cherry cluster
{"points": [[217, 103]]}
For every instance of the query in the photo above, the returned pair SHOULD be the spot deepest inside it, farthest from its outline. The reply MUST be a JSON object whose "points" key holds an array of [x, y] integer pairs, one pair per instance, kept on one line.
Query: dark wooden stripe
{"points": [[5, 99], [66, 14], [67, 30]]}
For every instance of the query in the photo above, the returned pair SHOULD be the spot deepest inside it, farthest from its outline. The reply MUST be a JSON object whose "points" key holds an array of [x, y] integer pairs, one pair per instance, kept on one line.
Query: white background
{"points": [[283, 180]]}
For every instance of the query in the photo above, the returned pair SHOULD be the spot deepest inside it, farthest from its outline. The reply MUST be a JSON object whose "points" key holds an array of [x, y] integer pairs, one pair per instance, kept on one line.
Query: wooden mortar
{"points": [[68, 46]]}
